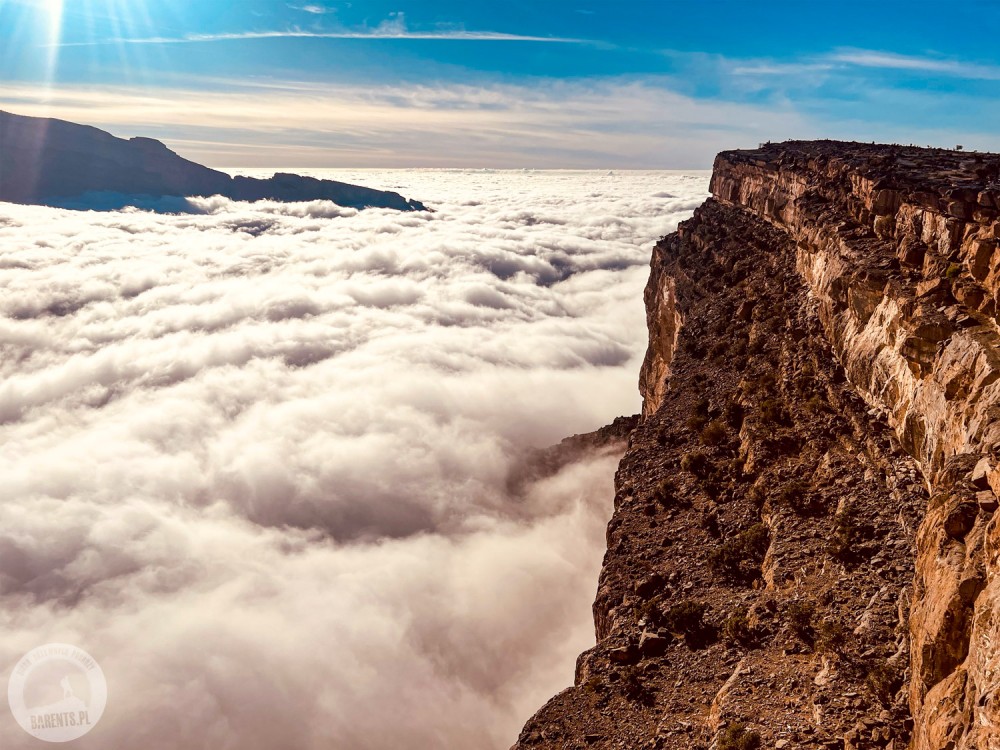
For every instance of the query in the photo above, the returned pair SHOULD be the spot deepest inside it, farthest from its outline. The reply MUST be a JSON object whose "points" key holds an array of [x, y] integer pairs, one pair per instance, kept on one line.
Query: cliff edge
{"points": [[803, 546]]}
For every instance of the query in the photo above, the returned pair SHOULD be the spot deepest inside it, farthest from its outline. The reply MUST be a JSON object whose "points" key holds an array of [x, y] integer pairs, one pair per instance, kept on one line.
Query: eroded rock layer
{"points": [[803, 548]]}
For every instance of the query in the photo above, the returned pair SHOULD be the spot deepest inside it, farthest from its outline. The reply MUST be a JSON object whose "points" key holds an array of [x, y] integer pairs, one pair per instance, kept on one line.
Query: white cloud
{"points": [[890, 60], [317, 10], [392, 28], [848, 59], [256, 458]]}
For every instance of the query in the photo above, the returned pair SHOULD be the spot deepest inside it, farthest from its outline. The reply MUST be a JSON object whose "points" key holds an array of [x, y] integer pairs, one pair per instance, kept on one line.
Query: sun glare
{"points": [[54, 8]]}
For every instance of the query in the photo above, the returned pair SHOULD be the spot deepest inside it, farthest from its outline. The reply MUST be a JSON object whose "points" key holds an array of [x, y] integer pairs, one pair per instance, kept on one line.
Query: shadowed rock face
{"points": [[804, 542], [45, 161]]}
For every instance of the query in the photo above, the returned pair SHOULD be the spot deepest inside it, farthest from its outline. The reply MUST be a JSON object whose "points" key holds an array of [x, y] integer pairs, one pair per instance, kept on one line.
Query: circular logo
{"points": [[57, 692]]}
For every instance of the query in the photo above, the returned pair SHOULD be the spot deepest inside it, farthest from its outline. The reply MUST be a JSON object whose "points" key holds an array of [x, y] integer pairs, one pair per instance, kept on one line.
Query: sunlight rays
{"points": [[54, 11]]}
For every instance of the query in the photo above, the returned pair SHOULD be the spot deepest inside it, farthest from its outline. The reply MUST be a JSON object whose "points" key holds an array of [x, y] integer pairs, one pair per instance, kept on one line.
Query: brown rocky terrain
{"points": [[803, 546]]}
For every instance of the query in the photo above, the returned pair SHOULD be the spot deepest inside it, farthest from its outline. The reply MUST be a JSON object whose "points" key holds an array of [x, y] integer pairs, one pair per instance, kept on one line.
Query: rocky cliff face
{"points": [[804, 546]]}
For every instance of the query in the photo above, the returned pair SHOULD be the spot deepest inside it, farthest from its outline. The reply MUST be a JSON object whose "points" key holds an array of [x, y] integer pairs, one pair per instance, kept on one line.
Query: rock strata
{"points": [[803, 546]]}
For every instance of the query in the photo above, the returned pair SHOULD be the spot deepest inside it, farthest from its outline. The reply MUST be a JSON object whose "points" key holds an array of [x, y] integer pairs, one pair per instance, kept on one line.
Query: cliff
{"points": [[803, 548], [45, 161]]}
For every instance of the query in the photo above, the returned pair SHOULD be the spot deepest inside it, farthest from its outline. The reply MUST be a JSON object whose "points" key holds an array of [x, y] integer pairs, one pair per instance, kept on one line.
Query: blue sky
{"points": [[520, 84]]}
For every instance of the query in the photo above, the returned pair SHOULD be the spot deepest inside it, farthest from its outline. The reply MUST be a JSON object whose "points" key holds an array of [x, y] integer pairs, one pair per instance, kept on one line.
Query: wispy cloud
{"points": [[317, 10], [849, 59], [393, 28], [890, 60], [472, 36], [778, 68]]}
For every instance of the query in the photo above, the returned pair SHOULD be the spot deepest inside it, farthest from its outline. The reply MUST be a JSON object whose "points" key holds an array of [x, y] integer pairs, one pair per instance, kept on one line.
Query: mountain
{"points": [[804, 546], [46, 161]]}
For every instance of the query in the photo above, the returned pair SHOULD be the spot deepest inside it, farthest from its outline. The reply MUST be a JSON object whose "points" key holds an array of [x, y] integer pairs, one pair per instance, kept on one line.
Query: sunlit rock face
{"points": [[818, 455], [54, 162], [899, 247]]}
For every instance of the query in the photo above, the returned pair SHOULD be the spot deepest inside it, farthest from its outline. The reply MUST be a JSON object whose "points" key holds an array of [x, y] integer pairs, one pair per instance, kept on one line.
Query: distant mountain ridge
{"points": [[47, 161]]}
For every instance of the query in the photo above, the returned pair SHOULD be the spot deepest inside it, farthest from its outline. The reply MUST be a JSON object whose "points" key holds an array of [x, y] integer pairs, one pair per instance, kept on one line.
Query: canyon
{"points": [[804, 546]]}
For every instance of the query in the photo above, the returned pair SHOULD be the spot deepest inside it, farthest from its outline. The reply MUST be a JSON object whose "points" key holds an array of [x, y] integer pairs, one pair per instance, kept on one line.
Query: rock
{"points": [[624, 654], [745, 310], [649, 586], [987, 501], [653, 644], [960, 520], [980, 475]]}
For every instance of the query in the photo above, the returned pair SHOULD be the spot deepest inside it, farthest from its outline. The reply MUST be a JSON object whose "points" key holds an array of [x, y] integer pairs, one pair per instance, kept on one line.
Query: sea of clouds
{"points": [[256, 457]]}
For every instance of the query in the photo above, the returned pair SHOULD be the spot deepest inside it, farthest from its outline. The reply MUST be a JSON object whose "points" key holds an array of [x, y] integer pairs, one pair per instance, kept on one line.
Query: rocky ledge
{"points": [[803, 548]]}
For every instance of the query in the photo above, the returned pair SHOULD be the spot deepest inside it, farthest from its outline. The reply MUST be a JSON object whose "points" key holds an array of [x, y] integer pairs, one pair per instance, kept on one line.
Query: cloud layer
{"points": [[256, 458], [547, 123]]}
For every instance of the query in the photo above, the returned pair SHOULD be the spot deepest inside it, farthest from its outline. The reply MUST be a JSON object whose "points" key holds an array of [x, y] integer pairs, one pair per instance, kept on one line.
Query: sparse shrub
{"points": [[799, 615], [665, 492], [755, 541], [954, 269], [714, 433], [593, 686], [736, 630], [772, 412], [693, 346], [719, 350], [884, 679], [634, 687], [727, 561], [710, 522], [696, 421], [701, 407], [791, 495], [747, 547], [844, 533], [738, 737], [686, 618], [817, 405], [696, 462], [796, 497], [764, 382], [651, 610], [832, 636], [733, 414]]}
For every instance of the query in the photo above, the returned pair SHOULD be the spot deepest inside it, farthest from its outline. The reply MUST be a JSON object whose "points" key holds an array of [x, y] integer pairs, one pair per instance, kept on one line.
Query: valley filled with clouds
{"points": [[257, 457]]}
